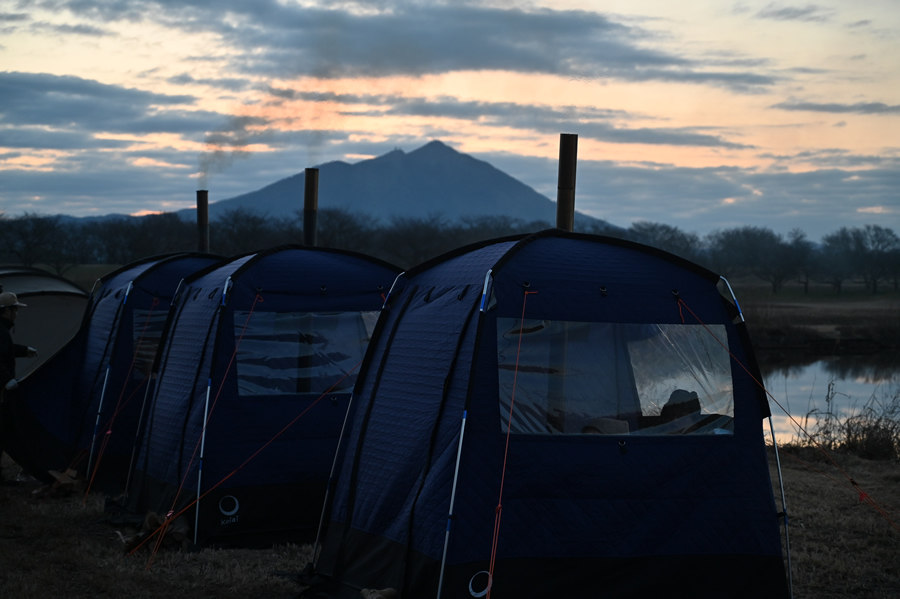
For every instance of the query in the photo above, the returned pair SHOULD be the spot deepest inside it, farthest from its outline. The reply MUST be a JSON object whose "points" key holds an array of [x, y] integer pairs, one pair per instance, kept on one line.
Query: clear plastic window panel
{"points": [[288, 353], [559, 377], [147, 326]]}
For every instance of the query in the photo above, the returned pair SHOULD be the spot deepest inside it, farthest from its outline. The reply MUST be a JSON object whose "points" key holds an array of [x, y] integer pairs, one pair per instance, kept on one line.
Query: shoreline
{"points": [[824, 325]]}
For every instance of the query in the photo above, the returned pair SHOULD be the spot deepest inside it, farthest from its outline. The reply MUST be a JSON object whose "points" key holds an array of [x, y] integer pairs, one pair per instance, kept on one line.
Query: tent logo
{"points": [[229, 506]]}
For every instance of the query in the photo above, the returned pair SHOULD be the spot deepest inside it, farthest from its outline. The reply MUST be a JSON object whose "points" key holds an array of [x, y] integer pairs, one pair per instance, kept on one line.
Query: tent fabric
{"points": [[53, 314], [250, 349], [627, 514], [97, 381]]}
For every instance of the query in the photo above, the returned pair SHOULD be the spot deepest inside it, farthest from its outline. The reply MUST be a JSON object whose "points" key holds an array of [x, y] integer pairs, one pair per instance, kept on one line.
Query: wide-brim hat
{"points": [[7, 300]]}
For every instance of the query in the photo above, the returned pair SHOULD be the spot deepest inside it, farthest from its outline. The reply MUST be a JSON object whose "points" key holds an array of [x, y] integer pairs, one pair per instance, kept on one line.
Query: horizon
{"points": [[773, 114]]}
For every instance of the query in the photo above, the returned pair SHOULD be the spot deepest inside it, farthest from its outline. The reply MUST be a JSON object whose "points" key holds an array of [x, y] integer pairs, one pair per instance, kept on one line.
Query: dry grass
{"points": [[841, 548], [60, 548]]}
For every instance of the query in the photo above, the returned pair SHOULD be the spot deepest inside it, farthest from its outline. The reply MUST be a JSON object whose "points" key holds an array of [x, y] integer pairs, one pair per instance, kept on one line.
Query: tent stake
{"points": [[787, 538], [462, 432]]}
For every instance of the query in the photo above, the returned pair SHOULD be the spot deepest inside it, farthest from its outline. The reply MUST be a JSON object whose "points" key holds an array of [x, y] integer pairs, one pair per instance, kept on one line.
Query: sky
{"points": [[702, 114]]}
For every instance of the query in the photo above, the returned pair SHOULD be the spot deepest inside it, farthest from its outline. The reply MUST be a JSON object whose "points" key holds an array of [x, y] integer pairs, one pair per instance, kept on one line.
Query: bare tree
{"points": [[666, 237], [31, 237], [837, 258], [240, 231], [339, 228], [872, 248], [804, 256]]}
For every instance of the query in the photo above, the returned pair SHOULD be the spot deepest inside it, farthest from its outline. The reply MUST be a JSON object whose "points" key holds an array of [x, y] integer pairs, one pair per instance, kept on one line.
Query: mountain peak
{"points": [[434, 178], [434, 147]]}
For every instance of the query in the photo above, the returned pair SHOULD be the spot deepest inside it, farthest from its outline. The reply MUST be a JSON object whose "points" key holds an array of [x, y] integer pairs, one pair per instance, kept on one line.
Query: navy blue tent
{"points": [[255, 370], [557, 415], [96, 383]]}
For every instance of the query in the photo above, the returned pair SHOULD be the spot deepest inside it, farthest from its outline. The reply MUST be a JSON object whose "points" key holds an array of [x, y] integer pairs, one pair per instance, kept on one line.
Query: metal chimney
{"points": [[565, 189], [310, 206], [203, 221]]}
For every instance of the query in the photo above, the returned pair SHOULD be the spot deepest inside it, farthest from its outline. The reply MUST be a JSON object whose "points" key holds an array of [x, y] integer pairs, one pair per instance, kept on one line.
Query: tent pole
{"points": [[484, 290], [328, 488], [200, 465], [462, 432], [787, 538], [97, 422]]}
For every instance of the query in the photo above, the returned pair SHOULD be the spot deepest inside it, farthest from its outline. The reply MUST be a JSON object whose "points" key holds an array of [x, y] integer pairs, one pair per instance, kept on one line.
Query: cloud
{"points": [[9, 17], [85, 30], [592, 122], [808, 13], [694, 199], [836, 108], [82, 107], [382, 39], [229, 83], [39, 138]]}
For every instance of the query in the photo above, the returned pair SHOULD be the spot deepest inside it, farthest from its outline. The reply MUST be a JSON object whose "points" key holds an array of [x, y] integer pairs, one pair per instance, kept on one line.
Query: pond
{"points": [[802, 386]]}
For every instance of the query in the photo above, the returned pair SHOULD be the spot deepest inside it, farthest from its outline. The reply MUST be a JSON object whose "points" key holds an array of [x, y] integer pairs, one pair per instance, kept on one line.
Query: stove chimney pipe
{"points": [[565, 189], [203, 221], [310, 206]]}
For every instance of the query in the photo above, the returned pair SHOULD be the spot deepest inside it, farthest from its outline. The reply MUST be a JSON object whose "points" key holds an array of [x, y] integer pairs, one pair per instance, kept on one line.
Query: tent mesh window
{"points": [[561, 377], [147, 327], [286, 353]]}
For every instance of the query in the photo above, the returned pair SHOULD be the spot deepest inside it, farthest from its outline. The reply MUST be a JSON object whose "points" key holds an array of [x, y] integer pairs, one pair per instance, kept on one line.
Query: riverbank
{"points": [[822, 322]]}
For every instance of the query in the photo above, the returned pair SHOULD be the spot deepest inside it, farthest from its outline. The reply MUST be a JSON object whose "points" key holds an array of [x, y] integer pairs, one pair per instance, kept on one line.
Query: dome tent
{"points": [[474, 460], [98, 377], [250, 345], [54, 309]]}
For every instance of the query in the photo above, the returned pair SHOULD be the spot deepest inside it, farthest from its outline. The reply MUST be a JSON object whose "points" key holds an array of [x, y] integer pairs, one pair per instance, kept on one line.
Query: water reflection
{"points": [[809, 386]]}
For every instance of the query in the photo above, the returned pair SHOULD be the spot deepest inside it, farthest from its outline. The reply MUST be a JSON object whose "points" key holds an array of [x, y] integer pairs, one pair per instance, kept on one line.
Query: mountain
{"points": [[434, 179]]}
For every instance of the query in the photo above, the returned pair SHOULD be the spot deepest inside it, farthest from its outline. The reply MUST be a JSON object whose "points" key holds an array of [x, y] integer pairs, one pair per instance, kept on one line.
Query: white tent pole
{"points": [[484, 291], [736, 304], [391, 290], [328, 488], [200, 463], [462, 432], [787, 538], [97, 421]]}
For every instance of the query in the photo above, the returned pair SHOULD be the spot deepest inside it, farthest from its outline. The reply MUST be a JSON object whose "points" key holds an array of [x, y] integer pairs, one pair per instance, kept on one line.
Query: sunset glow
{"points": [[761, 108]]}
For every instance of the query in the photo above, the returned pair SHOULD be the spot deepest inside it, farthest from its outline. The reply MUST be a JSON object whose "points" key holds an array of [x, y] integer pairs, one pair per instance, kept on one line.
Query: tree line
{"points": [[869, 254]]}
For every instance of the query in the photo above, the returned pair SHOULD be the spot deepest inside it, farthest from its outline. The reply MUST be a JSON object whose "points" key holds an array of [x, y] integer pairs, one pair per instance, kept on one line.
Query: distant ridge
{"points": [[432, 180]]}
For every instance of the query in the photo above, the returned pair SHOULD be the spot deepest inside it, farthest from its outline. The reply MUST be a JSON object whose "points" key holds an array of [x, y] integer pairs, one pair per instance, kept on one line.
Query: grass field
{"points": [[841, 548]]}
